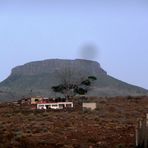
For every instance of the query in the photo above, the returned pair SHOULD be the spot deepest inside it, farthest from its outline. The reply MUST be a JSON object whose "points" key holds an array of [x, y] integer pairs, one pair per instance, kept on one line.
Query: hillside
{"points": [[37, 78], [111, 125]]}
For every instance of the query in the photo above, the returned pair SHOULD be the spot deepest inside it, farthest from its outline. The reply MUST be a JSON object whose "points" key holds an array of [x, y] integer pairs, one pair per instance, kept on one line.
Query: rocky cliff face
{"points": [[56, 65], [38, 78]]}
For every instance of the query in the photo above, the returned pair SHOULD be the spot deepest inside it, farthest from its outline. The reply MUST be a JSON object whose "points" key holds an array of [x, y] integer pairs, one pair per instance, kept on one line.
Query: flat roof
{"points": [[55, 103]]}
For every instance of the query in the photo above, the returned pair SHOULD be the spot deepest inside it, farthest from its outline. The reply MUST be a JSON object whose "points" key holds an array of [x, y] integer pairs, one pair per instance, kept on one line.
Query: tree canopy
{"points": [[71, 89]]}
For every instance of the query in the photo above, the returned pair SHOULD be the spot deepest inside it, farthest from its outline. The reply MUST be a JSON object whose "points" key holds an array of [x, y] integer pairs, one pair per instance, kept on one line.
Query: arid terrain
{"points": [[111, 125]]}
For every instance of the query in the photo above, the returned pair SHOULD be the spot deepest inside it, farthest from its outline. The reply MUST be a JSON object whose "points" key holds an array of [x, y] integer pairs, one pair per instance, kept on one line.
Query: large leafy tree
{"points": [[70, 88]]}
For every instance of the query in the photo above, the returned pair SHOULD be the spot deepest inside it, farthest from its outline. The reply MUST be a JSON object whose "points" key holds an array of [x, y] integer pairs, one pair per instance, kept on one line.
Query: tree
{"points": [[70, 87]]}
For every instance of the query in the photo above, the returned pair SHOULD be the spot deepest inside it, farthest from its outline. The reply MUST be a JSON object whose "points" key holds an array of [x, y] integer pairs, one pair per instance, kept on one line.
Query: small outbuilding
{"points": [[91, 106]]}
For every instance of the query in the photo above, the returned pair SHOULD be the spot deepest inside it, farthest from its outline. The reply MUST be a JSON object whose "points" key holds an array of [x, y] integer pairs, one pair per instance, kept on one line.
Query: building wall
{"points": [[58, 105], [34, 100], [91, 106]]}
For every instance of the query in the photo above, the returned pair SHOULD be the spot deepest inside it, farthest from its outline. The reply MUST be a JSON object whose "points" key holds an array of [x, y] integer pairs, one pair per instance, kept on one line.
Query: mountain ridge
{"points": [[37, 78], [54, 62]]}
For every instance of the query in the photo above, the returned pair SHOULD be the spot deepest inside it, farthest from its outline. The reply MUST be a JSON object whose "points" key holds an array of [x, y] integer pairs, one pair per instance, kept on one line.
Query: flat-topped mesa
{"points": [[54, 65], [37, 78]]}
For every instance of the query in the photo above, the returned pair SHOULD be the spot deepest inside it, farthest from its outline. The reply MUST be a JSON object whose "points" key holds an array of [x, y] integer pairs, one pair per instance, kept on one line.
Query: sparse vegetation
{"points": [[112, 125]]}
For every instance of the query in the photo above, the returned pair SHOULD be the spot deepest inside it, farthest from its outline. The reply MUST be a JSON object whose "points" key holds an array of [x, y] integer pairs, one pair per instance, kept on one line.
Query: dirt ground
{"points": [[111, 125]]}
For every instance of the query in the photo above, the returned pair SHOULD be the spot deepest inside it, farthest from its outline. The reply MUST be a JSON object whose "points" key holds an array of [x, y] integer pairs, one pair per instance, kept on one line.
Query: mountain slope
{"points": [[36, 78]]}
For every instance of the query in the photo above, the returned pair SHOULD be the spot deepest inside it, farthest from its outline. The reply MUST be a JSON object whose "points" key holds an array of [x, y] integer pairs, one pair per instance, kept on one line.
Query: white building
{"points": [[55, 105], [91, 106]]}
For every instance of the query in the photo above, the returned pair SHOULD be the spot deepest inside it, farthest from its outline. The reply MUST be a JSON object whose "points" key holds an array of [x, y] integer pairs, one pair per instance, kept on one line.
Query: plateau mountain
{"points": [[37, 78]]}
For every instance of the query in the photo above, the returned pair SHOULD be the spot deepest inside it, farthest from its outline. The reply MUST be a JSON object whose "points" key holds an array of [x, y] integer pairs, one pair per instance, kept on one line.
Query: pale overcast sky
{"points": [[33, 30]]}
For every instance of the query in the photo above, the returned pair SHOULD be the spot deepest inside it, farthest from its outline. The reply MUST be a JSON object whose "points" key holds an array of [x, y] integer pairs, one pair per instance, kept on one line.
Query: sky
{"points": [[111, 32]]}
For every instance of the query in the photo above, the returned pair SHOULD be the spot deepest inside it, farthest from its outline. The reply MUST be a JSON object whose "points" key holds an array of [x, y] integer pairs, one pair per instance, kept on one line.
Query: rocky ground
{"points": [[111, 125]]}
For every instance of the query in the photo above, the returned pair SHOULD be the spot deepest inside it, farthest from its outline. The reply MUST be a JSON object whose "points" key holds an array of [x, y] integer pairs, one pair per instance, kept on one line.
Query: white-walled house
{"points": [[55, 105]]}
